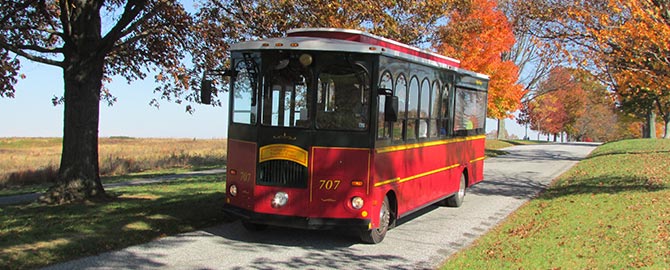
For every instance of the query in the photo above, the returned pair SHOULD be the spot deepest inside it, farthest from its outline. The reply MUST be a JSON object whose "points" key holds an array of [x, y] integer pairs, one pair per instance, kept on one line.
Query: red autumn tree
{"points": [[479, 35], [559, 105]]}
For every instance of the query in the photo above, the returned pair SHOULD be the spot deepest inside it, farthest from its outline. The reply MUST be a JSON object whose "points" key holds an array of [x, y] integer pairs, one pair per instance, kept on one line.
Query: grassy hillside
{"points": [[610, 211], [27, 161]]}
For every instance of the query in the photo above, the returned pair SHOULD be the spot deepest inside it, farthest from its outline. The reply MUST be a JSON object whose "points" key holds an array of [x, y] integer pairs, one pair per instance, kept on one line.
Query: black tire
{"points": [[253, 227], [456, 200], [375, 236]]}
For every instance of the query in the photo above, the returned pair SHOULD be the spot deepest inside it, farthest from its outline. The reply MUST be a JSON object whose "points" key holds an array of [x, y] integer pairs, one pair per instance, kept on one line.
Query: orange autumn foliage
{"points": [[478, 35], [625, 42]]}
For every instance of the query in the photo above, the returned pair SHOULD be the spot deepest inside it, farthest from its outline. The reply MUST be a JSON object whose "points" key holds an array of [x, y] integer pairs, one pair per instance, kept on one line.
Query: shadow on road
{"points": [[333, 249], [518, 187]]}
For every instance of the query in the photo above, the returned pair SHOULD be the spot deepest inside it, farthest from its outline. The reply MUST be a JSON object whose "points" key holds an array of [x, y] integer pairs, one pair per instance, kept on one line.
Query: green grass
{"points": [[9, 191], [493, 147], [610, 211], [37, 235]]}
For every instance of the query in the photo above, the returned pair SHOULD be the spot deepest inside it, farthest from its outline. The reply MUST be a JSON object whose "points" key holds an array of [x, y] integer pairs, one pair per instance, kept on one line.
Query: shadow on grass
{"points": [[603, 185], [513, 142], [617, 153], [526, 142], [43, 234], [118, 181], [495, 153]]}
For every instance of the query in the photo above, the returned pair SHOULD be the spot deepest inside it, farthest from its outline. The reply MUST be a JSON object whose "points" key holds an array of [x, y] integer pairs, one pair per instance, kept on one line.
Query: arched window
{"points": [[424, 108], [383, 128], [413, 109], [244, 111], [400, 91], [435, 129]]}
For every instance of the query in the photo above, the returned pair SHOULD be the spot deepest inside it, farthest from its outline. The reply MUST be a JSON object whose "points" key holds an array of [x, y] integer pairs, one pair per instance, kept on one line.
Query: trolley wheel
{"points": [[253, 227], [375, 236], [456, 200]]}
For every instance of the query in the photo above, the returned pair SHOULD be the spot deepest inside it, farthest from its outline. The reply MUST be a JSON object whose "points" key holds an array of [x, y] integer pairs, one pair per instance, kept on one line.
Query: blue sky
{"points": [[31, 113]]}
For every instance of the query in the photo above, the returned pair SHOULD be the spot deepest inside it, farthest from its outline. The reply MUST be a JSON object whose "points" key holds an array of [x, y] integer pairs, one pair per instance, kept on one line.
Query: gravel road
{"points": [[422, 241]]}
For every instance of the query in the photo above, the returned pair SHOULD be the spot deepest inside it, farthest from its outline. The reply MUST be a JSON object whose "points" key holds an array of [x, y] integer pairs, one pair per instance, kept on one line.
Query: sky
{"points": [[32, 114]]}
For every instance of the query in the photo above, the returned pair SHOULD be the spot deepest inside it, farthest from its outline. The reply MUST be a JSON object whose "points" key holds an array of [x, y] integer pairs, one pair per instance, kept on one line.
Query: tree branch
{"points": [[65, 20], [46, 30], [134, 39], [130, 12], [31, 57], [39, 49]]}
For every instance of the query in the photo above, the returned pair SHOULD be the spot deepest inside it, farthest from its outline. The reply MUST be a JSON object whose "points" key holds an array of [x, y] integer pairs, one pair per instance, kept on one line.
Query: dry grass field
{"points": [[27, 161]]}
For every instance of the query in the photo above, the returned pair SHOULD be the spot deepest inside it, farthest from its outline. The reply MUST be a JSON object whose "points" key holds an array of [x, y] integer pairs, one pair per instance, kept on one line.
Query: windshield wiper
{"points": [[252, 70]]}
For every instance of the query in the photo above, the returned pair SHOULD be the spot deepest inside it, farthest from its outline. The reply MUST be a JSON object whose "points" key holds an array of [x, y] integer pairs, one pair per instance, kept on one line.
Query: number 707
{"points": [[329, 184]]}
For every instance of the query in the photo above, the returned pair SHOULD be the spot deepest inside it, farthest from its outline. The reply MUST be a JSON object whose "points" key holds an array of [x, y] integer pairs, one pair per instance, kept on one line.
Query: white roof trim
{"points": [[359, 32]]}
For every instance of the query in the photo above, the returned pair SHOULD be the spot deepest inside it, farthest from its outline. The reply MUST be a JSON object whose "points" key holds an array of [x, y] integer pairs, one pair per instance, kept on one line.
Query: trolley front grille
{"points": [[282, 173]]}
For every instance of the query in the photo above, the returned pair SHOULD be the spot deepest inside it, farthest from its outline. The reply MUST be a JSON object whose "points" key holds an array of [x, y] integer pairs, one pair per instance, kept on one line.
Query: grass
{"points": [[34, 161], [610, 211], [35, 235], [493, 147]]}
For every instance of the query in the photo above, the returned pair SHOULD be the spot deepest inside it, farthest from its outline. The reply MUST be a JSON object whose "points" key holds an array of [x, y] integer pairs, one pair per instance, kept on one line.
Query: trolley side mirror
{"points": [[390, 104], [206, 91], [207, 83], [391, 109]]}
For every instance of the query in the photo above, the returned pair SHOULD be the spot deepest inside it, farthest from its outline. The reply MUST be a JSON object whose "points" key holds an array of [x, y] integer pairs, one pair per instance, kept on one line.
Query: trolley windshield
{"points": [[295, 89]]}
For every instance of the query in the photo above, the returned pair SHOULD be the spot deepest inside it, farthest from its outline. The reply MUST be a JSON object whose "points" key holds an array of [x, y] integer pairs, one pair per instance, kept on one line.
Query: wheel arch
{"points": [[466, 172], [393, 201]]}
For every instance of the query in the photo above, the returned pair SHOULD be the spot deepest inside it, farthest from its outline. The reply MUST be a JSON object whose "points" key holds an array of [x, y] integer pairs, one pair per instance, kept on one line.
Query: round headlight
{"points": [[357, 202], [280, 199], [232, 190]]}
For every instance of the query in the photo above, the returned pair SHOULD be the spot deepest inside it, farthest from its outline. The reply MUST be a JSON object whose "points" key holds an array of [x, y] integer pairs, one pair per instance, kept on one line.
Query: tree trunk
{"points": [[667, 127], [79, 173], [501, 129], [650, 130]]}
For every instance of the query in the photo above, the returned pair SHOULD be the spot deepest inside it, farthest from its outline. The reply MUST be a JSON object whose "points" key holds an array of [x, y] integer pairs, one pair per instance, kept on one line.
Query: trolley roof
{"points": [[367, 38], [348, 40]]}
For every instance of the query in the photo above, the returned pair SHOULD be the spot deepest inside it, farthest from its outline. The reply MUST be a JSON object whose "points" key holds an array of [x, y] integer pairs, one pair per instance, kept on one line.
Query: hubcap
{"points": [[384, 218], [461, 188]]}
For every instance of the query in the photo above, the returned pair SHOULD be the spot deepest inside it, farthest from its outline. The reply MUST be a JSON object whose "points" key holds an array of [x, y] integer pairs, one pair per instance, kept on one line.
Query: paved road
{"points": [[422, 241]]}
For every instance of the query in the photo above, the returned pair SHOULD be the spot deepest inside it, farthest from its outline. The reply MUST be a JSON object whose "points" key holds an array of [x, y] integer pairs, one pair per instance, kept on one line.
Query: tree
{"points": [[402, 20], [600, 121], [69, 34], [560, 103], [534, 57], [625, 43], [480, 35]]}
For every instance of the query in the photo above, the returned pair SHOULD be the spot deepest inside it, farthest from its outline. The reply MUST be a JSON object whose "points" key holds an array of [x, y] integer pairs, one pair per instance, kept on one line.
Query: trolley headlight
{"points": [[232, 190], [357, 202], [280, 199]]}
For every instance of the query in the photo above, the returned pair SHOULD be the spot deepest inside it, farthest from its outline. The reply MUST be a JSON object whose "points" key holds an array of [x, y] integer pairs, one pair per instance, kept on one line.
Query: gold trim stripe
{"points": [[477, 159], [426, 144], [399, 180]]}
